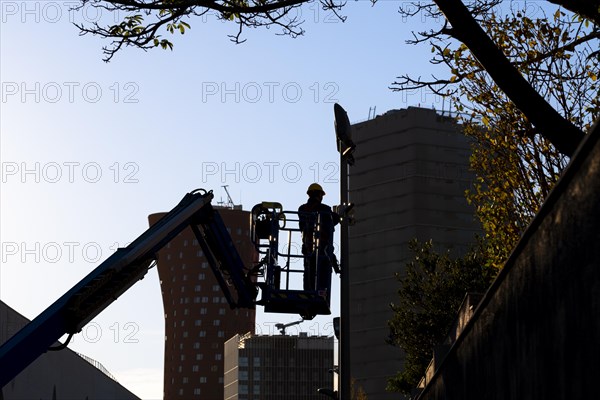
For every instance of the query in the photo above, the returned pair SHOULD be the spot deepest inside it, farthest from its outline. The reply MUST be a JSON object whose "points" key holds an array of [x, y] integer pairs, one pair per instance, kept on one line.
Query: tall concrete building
{"points": [[198, 318], [411, 172], [57, 375], [278, 367]]}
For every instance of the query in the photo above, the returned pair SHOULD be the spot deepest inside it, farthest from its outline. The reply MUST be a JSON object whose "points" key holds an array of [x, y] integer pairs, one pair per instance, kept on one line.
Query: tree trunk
{"points": [[589, 9], [560, 132]]}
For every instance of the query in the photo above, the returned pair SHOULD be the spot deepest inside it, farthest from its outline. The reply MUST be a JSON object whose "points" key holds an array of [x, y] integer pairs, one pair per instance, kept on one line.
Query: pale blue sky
{"points": [[153, 124]]}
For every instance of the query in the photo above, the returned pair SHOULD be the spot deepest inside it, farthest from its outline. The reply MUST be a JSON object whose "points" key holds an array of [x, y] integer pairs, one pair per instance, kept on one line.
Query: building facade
{"points": [[57, 375], [278, 367], [409, 181], [198, 318]]}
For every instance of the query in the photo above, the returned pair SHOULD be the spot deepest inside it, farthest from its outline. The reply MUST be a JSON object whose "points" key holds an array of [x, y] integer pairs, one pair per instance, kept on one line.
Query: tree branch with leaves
{"points": [[146, 21]]}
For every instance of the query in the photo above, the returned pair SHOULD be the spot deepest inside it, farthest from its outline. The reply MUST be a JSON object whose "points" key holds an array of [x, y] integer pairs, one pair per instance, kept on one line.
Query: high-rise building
{"points": [[278, 367], [198, 318], [57, 375], [409, 181]]}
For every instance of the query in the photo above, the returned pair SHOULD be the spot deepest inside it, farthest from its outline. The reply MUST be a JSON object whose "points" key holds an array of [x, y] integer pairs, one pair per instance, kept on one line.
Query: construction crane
{"points": [[240, 286], [282, 327]]}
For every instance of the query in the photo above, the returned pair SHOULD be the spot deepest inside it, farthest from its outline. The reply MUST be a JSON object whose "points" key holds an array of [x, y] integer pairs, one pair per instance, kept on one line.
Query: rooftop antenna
{"points": [[443, 111], [230, 203], [371, 116]]}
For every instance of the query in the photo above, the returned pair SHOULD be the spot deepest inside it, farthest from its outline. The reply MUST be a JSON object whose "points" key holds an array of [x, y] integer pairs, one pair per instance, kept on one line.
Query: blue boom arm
{"points": [[124, 268]]}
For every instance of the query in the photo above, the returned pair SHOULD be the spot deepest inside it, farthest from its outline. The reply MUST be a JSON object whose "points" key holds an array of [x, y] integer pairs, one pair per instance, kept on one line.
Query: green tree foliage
{"points": [[356, 391], [515, 172], [430, 294], [516, 166]]}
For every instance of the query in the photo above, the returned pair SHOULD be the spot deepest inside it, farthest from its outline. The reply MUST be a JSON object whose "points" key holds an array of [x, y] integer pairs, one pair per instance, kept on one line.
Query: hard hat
{"points": [[315, 187]]}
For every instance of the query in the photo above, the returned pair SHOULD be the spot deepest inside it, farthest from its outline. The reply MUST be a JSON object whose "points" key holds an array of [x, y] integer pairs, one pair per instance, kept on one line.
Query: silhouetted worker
{"points": [[317, 222]]}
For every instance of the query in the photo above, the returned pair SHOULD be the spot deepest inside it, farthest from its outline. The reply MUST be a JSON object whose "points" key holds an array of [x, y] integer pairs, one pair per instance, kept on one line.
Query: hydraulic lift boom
{"points": [[120, 271], [71, 312]]}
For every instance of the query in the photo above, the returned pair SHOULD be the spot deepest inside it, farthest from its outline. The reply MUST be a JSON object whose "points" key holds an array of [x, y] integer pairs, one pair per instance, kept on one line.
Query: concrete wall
{"points": [[536, 333]]}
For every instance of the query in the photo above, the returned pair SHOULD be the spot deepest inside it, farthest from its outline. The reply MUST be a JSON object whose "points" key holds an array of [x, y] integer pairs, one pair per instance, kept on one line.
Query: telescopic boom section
{"points": [[124, 268]]}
